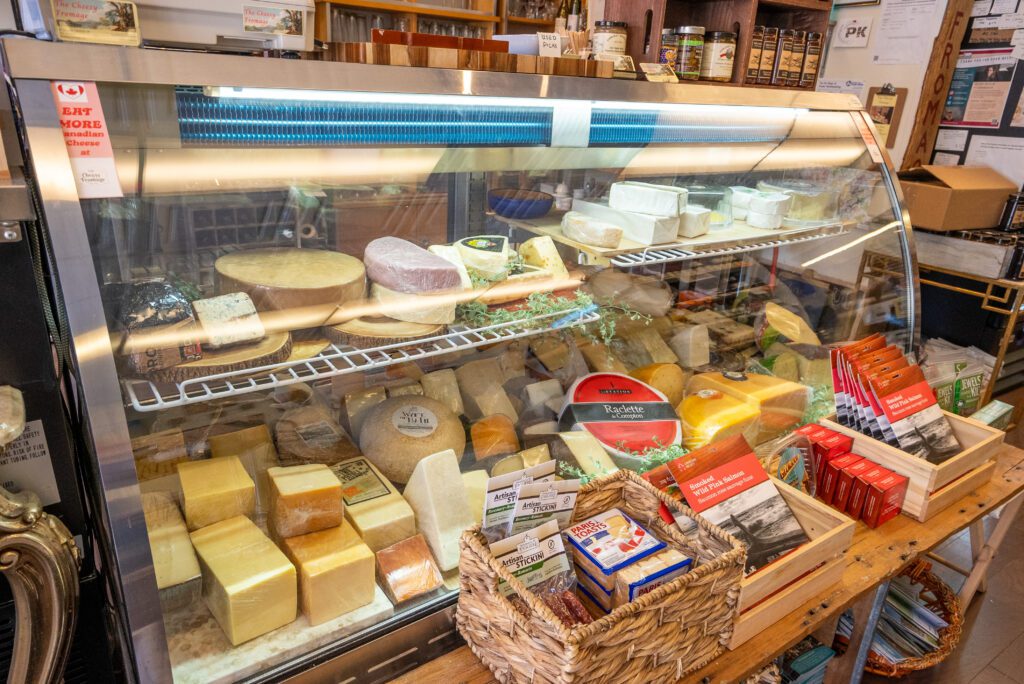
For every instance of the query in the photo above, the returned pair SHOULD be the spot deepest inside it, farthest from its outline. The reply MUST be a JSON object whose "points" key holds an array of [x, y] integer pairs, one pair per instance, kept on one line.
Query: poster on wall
{"points": [[979, 88], [1017, 120], [1004, 154]]}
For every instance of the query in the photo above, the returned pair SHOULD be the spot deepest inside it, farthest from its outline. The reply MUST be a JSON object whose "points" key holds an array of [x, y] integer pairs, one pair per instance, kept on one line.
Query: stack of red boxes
{"points": [[850, 483]]}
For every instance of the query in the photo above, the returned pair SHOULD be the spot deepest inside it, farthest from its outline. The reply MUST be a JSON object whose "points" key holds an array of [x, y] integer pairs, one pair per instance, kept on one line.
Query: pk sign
{"points": [[852, 33]]}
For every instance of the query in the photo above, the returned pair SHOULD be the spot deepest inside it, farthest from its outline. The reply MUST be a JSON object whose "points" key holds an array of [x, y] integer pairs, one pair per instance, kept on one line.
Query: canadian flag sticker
{"points": [[86, 139]]}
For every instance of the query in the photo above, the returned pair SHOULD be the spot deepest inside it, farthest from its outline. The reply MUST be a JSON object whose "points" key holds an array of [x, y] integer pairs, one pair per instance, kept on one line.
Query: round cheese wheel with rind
{"points": [[400, 431], [283, 278]]}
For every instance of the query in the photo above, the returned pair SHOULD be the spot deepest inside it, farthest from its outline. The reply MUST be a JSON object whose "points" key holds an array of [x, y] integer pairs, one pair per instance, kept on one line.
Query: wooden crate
{"points": [[933, 487], [769, 594]]}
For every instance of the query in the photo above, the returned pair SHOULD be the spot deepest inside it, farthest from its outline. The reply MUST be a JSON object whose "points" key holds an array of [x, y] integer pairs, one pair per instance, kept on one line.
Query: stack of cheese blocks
{"points": [[760, 209], [646, 213], [617, 561]]}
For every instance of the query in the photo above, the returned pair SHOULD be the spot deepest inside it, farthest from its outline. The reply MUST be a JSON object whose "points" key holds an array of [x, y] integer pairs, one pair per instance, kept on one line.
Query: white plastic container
{"points": [[231, 24]]}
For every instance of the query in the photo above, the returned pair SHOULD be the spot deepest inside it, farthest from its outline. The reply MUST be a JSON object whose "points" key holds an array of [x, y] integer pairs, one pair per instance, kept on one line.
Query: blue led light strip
{"points": [[207, 120], [640, 127]]}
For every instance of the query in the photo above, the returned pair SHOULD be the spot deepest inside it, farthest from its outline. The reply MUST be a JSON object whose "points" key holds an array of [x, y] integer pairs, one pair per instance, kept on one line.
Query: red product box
{"points": [[844, 485], [884, 499], [813, 431], [860, 489], [830, 478], [833, 446]]}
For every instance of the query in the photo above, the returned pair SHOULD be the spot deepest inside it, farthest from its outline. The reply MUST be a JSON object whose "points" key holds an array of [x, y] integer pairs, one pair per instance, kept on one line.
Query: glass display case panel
{"points": [[335, 313]]}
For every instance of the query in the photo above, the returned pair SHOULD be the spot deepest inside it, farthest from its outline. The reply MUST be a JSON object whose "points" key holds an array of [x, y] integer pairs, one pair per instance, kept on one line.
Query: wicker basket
{"points": [[941, 599], [661, 636]]}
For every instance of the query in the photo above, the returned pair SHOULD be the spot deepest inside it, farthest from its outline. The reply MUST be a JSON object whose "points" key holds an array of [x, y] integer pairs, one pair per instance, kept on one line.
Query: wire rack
{"points": [[671, 253], [144, 395]]}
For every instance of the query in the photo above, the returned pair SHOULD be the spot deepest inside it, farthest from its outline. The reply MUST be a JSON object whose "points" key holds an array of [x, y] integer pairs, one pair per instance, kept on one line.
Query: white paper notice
{"points": [[1003, 7], [852, 33], [981, 8], [1018, 37], [1005, 155], [986, 22], [955, 141], [1018, 51], [838, 85], [945, 159], [25, 465], [1011, 21], [903, 29]]}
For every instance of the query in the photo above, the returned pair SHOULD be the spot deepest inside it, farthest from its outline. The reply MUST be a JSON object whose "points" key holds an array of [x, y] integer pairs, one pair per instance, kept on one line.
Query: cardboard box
{"points": [[860, 490], [955, 197]]}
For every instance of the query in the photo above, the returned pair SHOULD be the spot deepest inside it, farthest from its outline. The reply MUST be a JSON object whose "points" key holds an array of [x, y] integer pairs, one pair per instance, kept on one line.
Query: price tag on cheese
{"points": [[549, 44]]}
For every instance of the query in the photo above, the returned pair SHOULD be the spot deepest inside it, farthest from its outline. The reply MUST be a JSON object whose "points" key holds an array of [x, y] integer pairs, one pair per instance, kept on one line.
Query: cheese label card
{"points": [[538, 502], [535, 557], [626, 415], [740, 498], [502, 491], [915, 416], [414, 421], [359, 482], [610, 541]]}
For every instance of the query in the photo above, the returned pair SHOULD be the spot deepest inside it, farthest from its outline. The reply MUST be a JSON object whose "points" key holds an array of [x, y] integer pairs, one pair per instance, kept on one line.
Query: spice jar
{"points": [[783, 56], [796, 58], [669, 43], [812, 55], [609, 37], [719, 54], [689, 51]]}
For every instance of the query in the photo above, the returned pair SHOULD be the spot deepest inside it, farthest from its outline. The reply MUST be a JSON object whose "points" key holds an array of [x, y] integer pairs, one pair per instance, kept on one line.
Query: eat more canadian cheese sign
{"points": [[86, 139]]}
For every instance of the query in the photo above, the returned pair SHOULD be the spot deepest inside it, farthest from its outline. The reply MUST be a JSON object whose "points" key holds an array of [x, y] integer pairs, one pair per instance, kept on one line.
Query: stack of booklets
{"points": [[881, 394], [906, 628], [805, 663]]}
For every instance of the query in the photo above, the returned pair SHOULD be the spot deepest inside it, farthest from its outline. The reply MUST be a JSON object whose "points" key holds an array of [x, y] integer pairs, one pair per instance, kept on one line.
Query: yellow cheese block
{"points": [[709, 415], [337, 572], [174, 561], [600, 358], [781, 402], [376, 510], [158, 454], [215, 490], [493, 436], [255, 449], [248, 584], [475, 484], [667, 378], [303, 499]]}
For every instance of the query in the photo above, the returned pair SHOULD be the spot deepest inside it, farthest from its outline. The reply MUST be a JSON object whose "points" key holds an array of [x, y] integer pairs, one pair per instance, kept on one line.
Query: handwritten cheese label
{"points": [[86, 138], [96, 21], [283, 22]]}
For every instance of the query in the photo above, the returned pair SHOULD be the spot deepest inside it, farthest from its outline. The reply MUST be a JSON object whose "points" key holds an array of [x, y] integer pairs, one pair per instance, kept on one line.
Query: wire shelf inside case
{"points": [[144, 395]]}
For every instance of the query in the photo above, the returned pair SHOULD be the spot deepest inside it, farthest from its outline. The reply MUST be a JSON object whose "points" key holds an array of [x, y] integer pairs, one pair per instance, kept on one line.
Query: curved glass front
{"points": [[362, 280]]}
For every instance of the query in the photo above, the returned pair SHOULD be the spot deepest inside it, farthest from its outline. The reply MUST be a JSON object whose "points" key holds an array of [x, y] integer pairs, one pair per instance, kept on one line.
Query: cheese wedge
{"points": [[438, 309], [475, 482], [451, 253], [303, 499], [591, 231], [438, 498], [443, 386], [372, 504], [214, 490], [541, 252], [358, 403], [248, 584], [174, 561]]}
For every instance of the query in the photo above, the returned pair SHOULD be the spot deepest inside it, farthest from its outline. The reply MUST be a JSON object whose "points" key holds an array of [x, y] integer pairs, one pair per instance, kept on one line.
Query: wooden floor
{"points": [[991, 649]]}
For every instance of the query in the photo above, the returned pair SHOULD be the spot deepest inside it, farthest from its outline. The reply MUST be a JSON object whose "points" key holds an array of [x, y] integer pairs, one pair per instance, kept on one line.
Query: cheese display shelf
{"points": [[335, 360], [317, 309], [736, 239]]}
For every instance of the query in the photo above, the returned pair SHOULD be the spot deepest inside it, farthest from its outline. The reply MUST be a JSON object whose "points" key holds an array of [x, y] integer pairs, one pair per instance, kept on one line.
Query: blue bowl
{"points": [[514, 203]]}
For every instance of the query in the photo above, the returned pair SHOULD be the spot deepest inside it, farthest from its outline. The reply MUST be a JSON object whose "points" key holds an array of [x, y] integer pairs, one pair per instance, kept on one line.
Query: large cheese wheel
{"points": [[288, 278], [400, 431]]}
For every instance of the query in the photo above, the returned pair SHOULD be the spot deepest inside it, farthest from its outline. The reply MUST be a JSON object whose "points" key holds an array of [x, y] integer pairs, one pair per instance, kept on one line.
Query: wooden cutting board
{"points": [[363, 333], [273, 348]]}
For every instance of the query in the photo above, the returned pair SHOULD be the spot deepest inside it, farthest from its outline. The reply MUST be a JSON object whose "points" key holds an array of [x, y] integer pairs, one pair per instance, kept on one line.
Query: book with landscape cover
{"points": [[740, 498]]}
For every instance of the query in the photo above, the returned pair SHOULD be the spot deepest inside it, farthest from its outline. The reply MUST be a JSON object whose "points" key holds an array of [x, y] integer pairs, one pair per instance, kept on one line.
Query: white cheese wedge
{"points": [[694, 222], [647, 229], [451, 253], [541, 252], [543, 391], [358, 403], [766, 221], [647, 198], [372, 504], [771, 203], [486, 254], [413, 308], [692, 345], [174, 561], [590, 456], [228, 319], [481, 383], [443, 386], [590, 231], [438, 498], [475, 482], [741, 197]]}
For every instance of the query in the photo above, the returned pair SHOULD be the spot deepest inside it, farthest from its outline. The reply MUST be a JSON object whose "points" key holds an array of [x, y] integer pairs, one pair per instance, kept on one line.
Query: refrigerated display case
{"points": [[233, 309]]}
